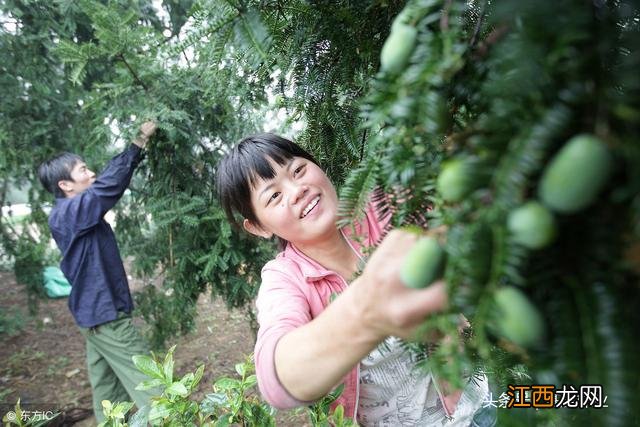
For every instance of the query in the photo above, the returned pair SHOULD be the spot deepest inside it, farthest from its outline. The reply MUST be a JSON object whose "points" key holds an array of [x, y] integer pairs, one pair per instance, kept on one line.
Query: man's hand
{"points": [[147, 129]]}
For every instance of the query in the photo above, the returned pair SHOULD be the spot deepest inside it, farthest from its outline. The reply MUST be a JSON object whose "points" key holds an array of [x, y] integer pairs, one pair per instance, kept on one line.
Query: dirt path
{"points": [[44, 363]]}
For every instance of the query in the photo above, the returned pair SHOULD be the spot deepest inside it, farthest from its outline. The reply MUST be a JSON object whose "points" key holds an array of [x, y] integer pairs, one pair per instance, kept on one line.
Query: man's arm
{"points": [[89, 207]]}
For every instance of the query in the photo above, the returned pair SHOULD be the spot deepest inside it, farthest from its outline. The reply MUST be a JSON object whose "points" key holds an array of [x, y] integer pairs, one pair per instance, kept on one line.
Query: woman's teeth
{"points": [[312, 204]]}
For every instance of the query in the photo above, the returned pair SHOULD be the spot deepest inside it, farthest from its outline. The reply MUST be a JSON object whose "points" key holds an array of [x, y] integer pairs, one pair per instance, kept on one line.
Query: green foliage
{"points": [[321, 415], [115, 414], [502, 85], [325, 53], [28, 254], [173, 407], [220, 69], [517, 83], [234, 402], [120, 64], [39, 116]]}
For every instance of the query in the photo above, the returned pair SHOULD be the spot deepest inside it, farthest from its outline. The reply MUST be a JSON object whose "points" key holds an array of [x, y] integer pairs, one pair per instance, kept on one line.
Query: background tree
{"points": [[121, 64]]}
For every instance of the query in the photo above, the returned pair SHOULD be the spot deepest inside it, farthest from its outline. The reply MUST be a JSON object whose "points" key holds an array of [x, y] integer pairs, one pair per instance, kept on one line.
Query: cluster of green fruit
{"points": [[571, 182]]}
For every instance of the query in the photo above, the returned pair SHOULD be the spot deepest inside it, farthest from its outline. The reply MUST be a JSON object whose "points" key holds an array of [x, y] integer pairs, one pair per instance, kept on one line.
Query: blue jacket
{"points": [[90, 256]]}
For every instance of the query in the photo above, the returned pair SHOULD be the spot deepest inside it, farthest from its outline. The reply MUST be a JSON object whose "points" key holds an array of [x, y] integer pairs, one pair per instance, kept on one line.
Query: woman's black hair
{"points": [[248, 161], [57, 169]]}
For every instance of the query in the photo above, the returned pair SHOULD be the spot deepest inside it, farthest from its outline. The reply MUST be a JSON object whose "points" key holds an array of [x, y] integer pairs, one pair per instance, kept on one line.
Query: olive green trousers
{"points": [[112, 374]]}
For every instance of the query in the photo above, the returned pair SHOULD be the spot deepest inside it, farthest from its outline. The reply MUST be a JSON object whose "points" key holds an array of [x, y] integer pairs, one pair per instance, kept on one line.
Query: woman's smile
{"points": [[310, 207]]}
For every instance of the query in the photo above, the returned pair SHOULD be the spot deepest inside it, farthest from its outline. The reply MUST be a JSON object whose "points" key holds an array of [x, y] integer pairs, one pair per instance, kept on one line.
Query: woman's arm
{"points": [[312, 359]]}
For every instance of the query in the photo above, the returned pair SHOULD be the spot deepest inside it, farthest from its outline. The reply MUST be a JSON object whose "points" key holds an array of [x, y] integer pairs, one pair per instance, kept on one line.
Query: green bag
{"points": [[55, 284]]}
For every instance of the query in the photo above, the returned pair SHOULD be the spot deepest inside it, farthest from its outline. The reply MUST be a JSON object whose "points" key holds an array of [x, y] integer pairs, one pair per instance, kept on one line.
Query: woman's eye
{"points": [[274, 196], [298, 170]]}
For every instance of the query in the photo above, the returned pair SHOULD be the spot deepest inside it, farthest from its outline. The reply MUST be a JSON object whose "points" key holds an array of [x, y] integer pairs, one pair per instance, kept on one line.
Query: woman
{"points": [[307, 345]]}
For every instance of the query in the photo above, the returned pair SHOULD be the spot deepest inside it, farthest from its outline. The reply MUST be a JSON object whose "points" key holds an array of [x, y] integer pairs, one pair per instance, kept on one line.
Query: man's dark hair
{"points": [[57, 169], [247, 162]]}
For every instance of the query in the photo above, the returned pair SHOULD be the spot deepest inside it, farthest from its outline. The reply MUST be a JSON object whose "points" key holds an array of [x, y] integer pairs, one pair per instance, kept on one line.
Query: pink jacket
{"points": [[294, 290]]}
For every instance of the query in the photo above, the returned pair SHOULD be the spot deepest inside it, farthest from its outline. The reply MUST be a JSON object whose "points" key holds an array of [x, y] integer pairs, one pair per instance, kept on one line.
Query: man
{"points": [[100, 300]]}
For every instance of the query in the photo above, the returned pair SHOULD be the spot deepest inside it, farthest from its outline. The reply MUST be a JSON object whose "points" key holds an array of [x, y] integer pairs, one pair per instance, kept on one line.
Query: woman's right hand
{"points": [[386, 306]]}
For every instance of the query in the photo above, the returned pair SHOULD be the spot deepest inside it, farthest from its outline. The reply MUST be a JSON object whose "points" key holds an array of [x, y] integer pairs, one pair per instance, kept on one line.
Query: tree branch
{"points": [[444, 19], [493, 37], [121, 57], [7, 236], [476, 31], [186, 58], [364, 138]]}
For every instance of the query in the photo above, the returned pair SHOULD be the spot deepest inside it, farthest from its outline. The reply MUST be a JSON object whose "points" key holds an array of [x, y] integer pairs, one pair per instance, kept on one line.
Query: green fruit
{"points": [[517, 319], [423, 263], [456, 180], [576, 175], [532, 225], [397, 49], [403, 18]]}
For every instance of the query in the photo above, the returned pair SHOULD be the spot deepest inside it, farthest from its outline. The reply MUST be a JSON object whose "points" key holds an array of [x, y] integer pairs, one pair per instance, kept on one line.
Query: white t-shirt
{"points": [[393, 393]]}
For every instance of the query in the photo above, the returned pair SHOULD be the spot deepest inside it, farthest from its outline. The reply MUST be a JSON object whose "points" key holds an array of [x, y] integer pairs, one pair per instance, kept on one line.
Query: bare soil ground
{"points": [[44, 363]]}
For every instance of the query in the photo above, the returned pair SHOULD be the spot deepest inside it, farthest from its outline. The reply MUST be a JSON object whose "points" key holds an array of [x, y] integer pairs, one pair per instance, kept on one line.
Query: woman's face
{"points": [[299, 204]]}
